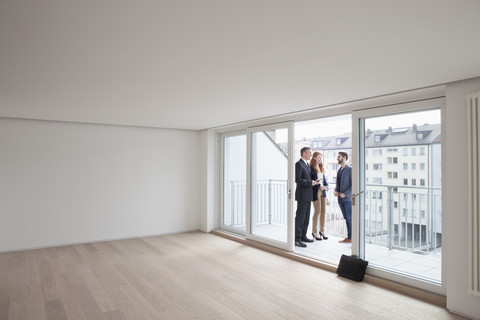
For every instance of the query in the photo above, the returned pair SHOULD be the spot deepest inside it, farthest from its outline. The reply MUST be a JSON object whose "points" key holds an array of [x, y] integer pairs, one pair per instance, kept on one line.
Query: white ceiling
{"points": [[195, 64]]}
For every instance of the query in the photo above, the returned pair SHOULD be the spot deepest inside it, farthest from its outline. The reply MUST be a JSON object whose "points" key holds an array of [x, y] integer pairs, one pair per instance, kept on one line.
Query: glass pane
{"points": [[234, 182], [402, 208], [269, 184]]}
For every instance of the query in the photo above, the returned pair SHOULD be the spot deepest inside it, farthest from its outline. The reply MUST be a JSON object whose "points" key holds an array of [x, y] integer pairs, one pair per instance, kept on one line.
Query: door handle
{"points": [[355, 195], [289, 194]]}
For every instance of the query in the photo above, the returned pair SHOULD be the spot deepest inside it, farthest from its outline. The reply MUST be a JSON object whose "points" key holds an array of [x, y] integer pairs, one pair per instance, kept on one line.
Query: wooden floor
{"points": [[187, 276]]}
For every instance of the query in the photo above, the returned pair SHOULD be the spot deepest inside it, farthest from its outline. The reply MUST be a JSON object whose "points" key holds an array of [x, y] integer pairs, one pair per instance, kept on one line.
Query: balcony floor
{"points": [[426, 266]]}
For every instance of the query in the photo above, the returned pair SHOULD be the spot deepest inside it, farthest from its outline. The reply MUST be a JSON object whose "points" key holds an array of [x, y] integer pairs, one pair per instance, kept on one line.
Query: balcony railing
{"points": [[271, 202], [403, 217], [397, 217]]}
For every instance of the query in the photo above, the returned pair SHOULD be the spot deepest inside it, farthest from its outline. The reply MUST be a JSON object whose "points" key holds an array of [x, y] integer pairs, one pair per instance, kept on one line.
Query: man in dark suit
{"points": [[303, 196], [343, 192]]}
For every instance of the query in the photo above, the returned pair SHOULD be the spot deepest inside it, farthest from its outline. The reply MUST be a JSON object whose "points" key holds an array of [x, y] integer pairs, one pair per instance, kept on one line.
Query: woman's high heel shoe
{"points": [[323, 235], [319, 238]]}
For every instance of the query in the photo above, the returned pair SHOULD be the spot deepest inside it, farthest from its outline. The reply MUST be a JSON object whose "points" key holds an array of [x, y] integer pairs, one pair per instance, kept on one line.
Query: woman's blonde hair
{"points": [[313, 162]]}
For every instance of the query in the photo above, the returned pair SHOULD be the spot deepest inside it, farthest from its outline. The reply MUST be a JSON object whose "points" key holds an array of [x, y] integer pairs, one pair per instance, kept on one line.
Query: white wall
{"points": [[455, 191], [270, 161], [208, 178], [235, 158], [63, 183]]}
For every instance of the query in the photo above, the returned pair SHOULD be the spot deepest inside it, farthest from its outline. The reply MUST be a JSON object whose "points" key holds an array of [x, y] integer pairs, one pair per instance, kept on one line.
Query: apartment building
{"points": [[402, 181], [403, 175]]}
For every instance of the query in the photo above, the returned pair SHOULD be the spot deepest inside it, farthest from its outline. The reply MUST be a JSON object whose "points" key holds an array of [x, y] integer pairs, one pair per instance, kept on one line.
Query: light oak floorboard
{"points": [[55, 310], [187, 276]]}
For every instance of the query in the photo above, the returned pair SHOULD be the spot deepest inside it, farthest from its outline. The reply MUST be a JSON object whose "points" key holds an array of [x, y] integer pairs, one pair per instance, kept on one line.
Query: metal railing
{"points": [[270, 202], [397, 217], [402, 217]]}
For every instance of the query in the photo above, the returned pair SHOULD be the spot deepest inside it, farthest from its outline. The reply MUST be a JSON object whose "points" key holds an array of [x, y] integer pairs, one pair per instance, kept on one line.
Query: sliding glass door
{"points": [[256, 175], [269, 190], [400, 211]]}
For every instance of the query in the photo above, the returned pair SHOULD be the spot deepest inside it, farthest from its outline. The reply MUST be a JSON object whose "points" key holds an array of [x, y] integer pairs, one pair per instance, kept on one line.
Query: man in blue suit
{"points": [[343, 192], [303, 196]]}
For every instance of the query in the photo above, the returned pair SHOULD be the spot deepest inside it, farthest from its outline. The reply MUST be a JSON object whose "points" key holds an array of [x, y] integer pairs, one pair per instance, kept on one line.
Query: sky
{"points": [[404, 120], [342, 124]]}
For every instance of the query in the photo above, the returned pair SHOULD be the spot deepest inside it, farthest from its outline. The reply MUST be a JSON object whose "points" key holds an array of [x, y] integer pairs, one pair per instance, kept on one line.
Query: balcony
{"points": [[402, 225]]}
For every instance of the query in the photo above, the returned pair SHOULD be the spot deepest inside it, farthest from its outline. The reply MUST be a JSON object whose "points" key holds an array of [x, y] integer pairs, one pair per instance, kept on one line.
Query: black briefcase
{"points": [[352, 267]]}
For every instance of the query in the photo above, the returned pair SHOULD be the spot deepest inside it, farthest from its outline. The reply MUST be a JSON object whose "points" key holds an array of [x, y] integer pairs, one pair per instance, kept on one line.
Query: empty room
{"points": [[188, 159]]}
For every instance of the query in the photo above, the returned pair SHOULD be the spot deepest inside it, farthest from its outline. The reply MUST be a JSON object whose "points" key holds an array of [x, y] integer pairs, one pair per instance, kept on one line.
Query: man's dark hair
{"points": [[343, 154], [303, 150]]}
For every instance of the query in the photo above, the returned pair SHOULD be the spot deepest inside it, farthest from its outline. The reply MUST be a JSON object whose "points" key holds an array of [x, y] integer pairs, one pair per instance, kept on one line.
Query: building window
{"points": [[377, 166], [377, 152], [392, 160], [414, 213], [395, 204], [392, 150], [414, 197], [414, 182], [422, 182], [422, 166], [395, 189], [377, 138], [419, 136], [392, 175], [405, 151], [377, 180], [405, 197], [422, 198], [422, 214], [377, 195], [405, 182], [366, 166], [422, 151], [414, 151], [414, 166], [405, 166], [405, 212]]}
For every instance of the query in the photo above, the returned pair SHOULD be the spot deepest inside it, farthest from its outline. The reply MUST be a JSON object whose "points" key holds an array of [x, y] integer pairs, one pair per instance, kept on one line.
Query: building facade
{"points": [[402, 203]]}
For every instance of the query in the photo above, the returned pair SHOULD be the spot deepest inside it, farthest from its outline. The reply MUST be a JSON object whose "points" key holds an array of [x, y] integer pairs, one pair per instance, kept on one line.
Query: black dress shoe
{"points": [[300, 244], [319, 238], [307, 240], [323, 235]]}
